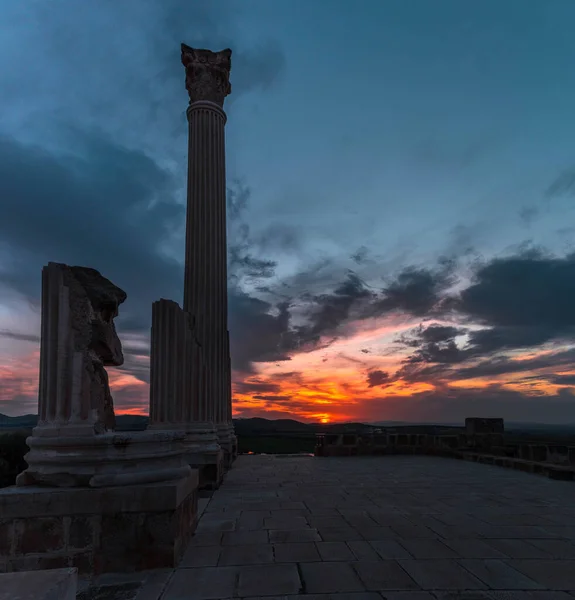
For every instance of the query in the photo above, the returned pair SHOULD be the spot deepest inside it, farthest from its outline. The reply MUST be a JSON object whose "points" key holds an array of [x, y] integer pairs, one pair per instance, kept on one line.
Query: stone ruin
{"points": [[74, 443], [92, 498], [104, 501]]}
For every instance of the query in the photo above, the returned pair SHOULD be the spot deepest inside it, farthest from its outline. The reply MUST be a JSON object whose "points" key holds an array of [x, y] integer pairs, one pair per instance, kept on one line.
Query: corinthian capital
{"points": [[207, 74]]}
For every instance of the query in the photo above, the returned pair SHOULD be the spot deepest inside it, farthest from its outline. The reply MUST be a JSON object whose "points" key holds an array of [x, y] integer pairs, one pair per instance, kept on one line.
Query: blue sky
{"points": [[366, 139]]}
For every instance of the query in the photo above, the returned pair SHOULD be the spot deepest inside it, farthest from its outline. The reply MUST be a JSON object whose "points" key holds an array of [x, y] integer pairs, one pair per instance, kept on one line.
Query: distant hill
{"points": [[261, 426]]}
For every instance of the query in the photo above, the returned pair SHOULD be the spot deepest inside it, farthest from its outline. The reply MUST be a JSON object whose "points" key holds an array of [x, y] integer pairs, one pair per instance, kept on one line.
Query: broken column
{"points": [[119, 489], [205, 282], [178, 385]]}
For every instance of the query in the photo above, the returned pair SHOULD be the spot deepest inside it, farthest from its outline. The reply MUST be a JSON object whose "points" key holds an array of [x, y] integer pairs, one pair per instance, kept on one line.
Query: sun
{"points": [[324, 420]]}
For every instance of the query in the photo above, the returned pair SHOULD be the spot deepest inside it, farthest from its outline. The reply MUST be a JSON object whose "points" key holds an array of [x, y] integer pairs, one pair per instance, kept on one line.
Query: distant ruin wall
{"points": [[481, 442]]}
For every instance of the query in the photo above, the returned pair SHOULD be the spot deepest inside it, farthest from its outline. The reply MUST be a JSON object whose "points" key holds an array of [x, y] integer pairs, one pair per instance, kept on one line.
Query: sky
{"points": [[401, 196]]}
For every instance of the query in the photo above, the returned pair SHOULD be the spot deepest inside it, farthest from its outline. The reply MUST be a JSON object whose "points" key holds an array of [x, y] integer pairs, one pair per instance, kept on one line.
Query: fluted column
{"points": [[205, 282], [60, 398], [178, 382]]}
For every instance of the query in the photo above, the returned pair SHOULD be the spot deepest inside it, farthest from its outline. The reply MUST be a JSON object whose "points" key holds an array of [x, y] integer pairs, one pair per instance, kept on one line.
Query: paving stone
{"points": [[390, 549], [329, 578], [378, 533], [411, 595], [499, 575], [384, 575], [363, 550], [474, 549], [273, 579], [293, 536], [424, 548], [518, 548], [209, 583], [337, 551], [343, 596], [201, 556], [413, 531], [294, 522], [552, 574], [463, 595], [442, 574], [296, 552], [244, 538], [525, 595], [333, 522], [339, 534], [253, 554], [207, 538], [555, 548], [523, 532], [215, 525]]}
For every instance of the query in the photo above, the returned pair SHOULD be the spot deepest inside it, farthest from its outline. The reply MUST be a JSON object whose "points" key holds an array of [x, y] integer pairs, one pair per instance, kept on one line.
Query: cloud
{"points": [[14, 335], [105, 206], [377, 378], [563, 185]]}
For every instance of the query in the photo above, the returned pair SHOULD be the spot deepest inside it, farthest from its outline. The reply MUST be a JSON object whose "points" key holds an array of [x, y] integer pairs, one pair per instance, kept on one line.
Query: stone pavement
{"points": [[363, 528]]}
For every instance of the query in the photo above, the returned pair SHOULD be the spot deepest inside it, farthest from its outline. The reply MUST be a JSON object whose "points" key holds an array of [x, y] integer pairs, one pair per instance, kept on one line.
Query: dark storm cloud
{"points": [[377, 377], [256, 333], [106, 207], [524, 300], [434, 344], [521, 301], [416, 291], [331, 310], [453, 405], [100, 202]]}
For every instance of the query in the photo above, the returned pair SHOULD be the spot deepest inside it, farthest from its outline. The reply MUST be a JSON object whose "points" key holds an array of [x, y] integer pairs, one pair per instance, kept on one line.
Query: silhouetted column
{"points": [[205, 283], [178, 397]]}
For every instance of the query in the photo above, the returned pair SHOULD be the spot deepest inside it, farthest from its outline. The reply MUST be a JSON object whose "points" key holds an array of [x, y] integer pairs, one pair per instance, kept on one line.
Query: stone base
{"points": [[97, 530], [225, 440], [110, 459], [210, 467]]}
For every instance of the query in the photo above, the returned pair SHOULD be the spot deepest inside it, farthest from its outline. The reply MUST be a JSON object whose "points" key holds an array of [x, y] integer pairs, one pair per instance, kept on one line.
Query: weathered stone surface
{"points": [[207, 74], [54, 584], [99, 530]]}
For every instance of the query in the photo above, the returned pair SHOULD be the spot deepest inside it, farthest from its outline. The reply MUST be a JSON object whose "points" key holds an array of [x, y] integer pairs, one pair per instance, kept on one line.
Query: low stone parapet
{"points": [[482, 440], [553, 471]]}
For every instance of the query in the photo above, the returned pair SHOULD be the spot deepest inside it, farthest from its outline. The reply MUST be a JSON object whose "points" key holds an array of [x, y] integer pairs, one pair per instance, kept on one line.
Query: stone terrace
{"points": [[409, 527]]}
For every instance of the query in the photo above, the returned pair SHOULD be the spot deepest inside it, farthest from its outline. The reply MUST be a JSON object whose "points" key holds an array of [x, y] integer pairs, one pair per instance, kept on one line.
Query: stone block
{"points": [[384, 575], [278, 579], [208, 583], [38, 535], [256, 554], [441, 574], [55, 584], [98, 530], [499, 575], [296, 552], [334, 551], [330, 578]]}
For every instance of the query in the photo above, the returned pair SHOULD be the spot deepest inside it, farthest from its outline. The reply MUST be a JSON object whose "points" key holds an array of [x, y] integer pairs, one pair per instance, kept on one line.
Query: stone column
{"points": [[205, 283], [178, 385]]}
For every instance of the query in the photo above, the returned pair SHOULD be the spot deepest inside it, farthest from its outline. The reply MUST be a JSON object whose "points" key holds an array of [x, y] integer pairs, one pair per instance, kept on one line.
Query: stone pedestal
{"points": [[178, 390], [97, 530], [110, 459]]}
